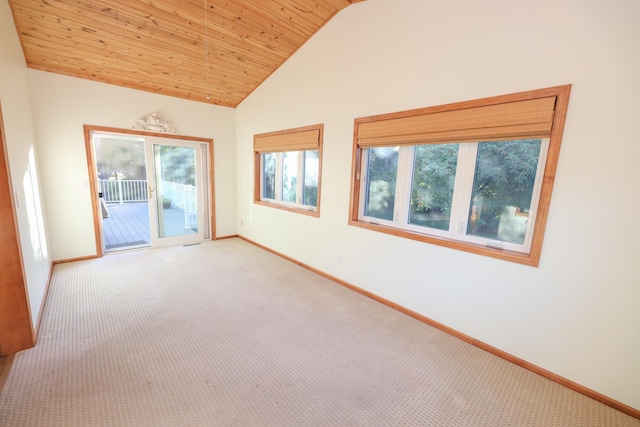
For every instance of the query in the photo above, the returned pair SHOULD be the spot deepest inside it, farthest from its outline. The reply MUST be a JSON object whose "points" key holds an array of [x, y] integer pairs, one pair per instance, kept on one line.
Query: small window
{"points": [[474, 176], [287, 169]]}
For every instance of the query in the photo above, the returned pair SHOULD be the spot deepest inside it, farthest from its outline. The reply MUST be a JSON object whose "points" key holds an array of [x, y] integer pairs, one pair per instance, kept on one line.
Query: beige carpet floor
{"points": [[226, 334]]}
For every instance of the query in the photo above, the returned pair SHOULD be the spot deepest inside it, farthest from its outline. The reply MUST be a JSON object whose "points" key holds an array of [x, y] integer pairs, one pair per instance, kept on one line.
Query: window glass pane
{"points": [[434, 174], [289, 176], [382, 169], [269, 175], [502, 189], [311, 168]]}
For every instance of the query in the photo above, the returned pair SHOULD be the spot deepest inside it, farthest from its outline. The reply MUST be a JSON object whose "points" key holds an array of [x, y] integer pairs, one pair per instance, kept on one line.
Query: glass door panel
{"points": [[121, 169], [177, 193]]}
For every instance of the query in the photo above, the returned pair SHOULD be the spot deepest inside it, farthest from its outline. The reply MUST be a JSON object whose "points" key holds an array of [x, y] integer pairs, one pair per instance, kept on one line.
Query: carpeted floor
{"points": [[226, 334]]}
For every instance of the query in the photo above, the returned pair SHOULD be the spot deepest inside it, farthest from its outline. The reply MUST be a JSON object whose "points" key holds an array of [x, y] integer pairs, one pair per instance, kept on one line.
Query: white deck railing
{"points": [[136, 190], [184, 197], [123, 190]]}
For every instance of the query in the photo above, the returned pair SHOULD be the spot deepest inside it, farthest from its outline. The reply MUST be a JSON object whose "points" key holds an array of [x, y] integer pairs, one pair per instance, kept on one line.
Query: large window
{"points": [[287, 169], [474, 176]]}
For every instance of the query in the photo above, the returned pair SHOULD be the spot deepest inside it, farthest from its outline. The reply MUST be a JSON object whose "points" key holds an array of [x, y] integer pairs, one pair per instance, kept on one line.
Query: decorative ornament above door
{"points": [[153, 123]]}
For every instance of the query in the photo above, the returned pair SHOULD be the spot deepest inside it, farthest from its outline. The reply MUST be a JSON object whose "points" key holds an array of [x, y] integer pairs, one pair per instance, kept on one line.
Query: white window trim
{"points": [[300, 170], [463, 189]]}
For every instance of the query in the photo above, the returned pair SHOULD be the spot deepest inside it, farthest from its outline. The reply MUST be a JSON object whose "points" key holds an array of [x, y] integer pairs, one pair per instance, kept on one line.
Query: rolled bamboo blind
{"points": [[513, 120], [287, 141]]}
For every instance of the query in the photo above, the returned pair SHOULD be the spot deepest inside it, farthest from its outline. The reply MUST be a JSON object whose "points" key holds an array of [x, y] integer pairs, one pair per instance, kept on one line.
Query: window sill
{"points": [[531, 259], [308, 212]]}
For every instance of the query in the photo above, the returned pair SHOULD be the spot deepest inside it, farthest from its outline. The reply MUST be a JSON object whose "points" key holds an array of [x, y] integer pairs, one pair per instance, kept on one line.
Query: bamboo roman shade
{"points": [[287, 141], [530, 118]]}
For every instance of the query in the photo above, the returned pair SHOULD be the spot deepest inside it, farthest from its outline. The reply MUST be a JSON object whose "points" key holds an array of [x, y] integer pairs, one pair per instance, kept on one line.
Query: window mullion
{"points": [[262, 180], [300, 179], [403, 185], [362, 177], [279, 172], [465, 172]]}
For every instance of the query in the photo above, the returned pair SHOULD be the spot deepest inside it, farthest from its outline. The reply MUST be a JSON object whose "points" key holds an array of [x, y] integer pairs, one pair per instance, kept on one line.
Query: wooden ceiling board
{"points": [[218, 54], [120, 47], [192, 41]]}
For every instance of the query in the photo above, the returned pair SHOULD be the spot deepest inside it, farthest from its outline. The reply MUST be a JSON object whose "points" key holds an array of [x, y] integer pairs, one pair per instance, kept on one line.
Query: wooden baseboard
{"points": [[44, 300], [633, 412], [226, 237], [82, 258]]}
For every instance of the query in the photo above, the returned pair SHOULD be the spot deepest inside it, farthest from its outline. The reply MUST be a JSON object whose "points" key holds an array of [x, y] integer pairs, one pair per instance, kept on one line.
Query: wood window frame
{"points": [[417, 135], [296, 139]]}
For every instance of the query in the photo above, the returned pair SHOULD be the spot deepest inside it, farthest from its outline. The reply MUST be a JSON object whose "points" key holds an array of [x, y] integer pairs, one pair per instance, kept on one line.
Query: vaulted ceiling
{"points": [[215, 51]]}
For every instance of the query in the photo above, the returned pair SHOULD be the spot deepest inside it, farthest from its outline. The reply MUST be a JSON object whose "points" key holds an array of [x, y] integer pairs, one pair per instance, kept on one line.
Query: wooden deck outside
{"points": [[128, 225]]}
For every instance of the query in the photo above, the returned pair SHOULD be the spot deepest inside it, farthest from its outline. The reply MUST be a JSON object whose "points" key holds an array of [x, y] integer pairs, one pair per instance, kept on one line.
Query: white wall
{"points": [[23, 161], [577, 313], [62, 105]]}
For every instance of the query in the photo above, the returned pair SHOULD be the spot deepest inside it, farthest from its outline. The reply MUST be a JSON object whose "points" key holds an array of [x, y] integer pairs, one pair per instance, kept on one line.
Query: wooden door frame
{"points": [[16, 328], [93, 173]]}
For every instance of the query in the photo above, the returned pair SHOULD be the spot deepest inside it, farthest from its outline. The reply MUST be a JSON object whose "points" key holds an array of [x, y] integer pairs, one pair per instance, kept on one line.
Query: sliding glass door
{"points": [[153, 191]]}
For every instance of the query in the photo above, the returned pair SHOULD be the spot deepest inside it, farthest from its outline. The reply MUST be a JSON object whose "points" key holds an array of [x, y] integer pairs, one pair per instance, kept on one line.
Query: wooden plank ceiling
{"points": [[211, 51]]}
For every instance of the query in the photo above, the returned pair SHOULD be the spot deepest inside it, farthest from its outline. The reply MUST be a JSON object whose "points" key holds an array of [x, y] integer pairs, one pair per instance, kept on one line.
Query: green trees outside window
{"points": [[291, 178], [477, 191], [433, 178]]}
